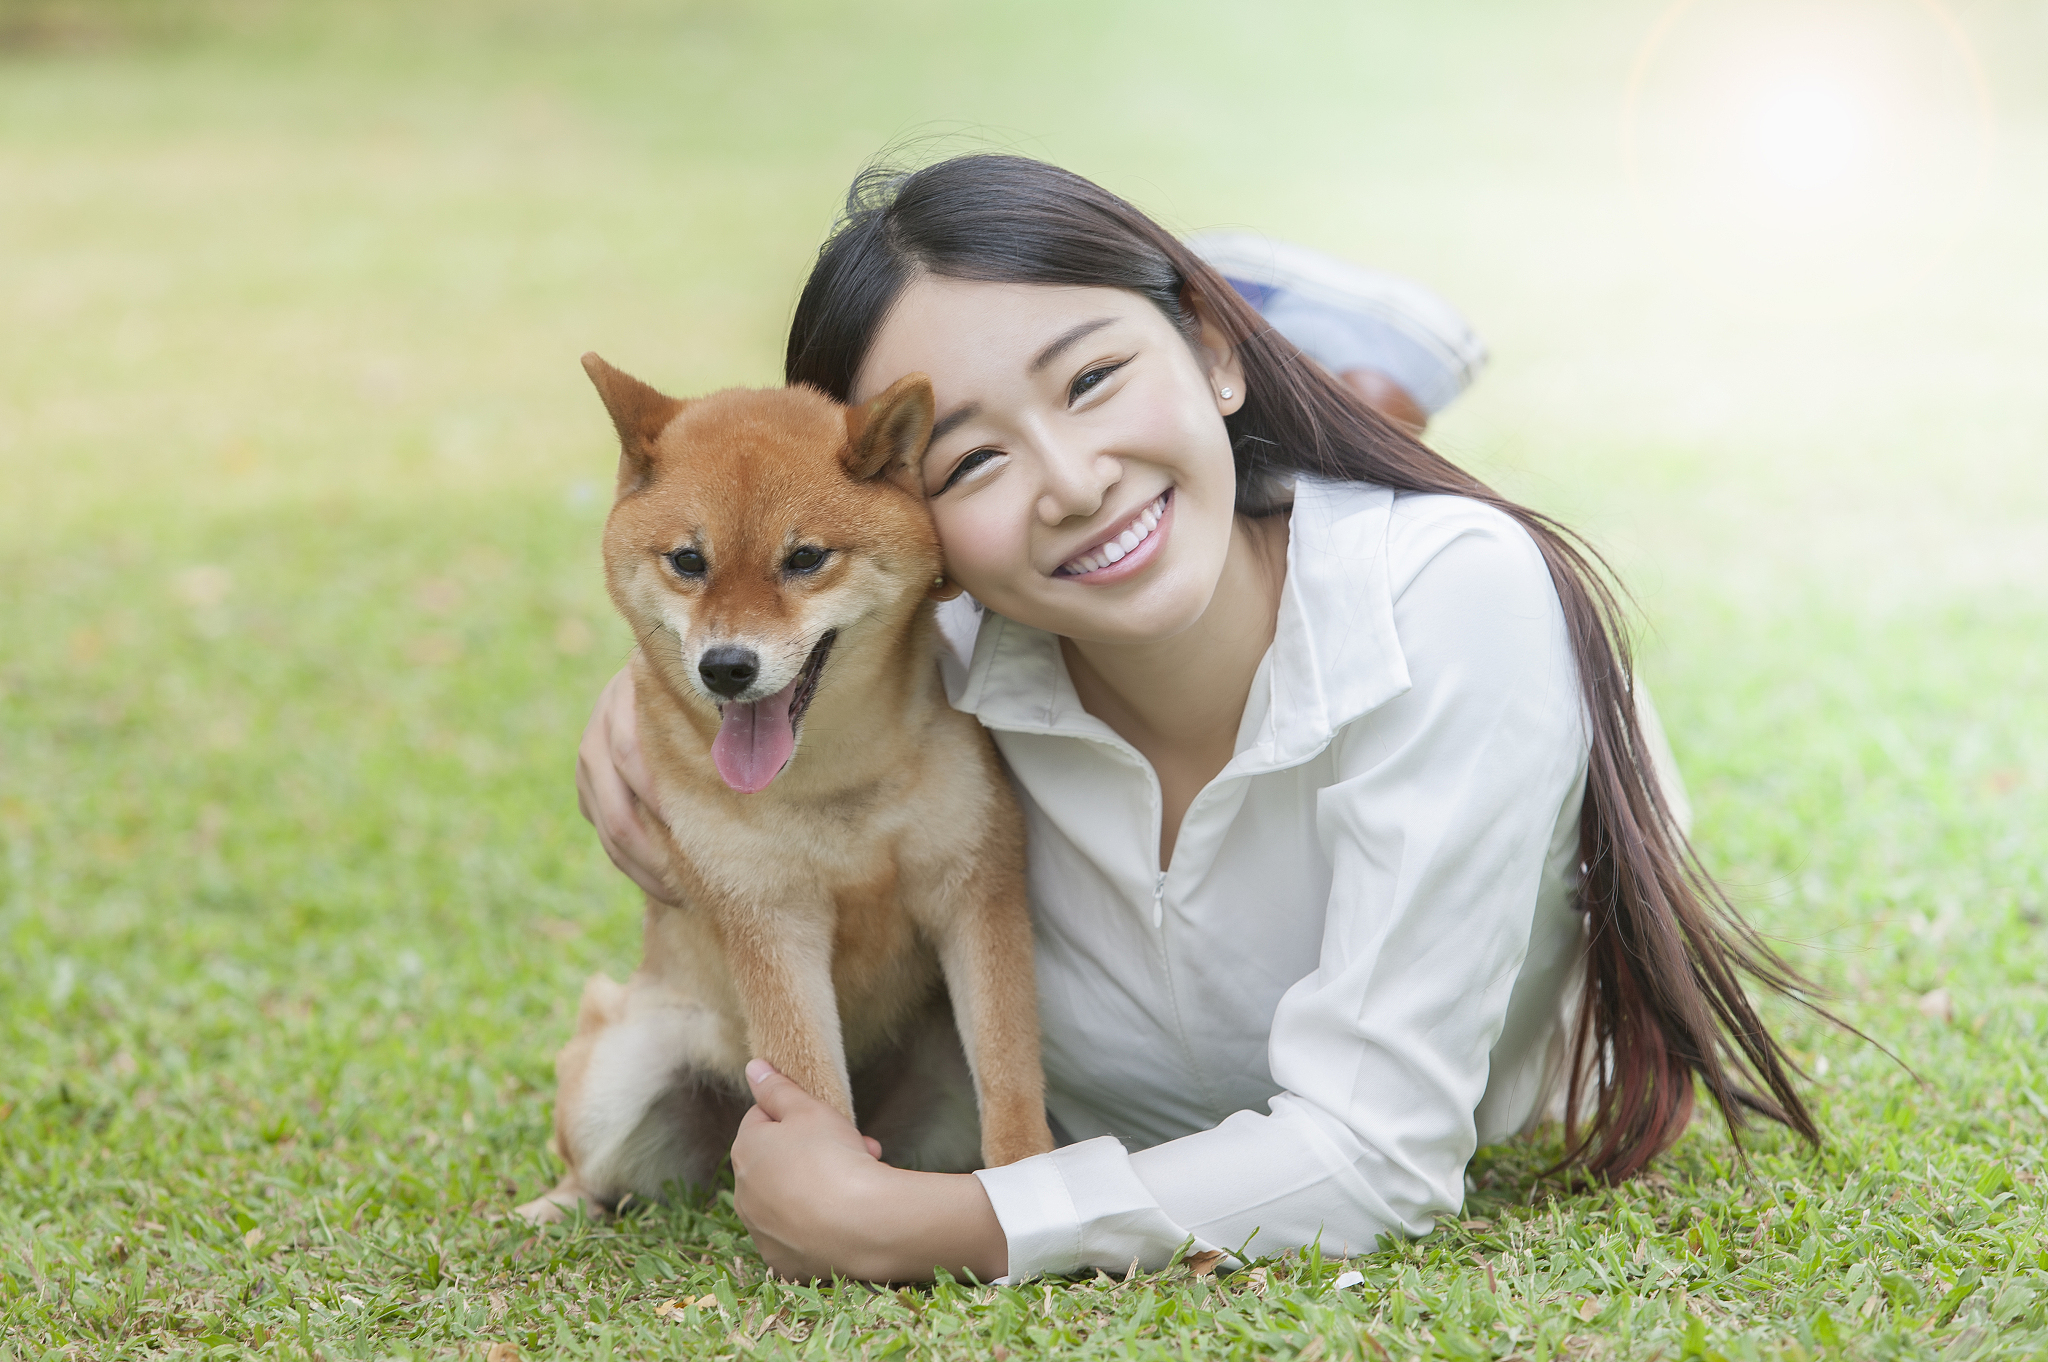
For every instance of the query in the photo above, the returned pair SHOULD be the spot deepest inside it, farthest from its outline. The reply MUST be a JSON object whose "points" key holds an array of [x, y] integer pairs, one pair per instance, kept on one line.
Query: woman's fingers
{"points": [[610, 779], [771, 1090], [803, 1179], [778, 1098], [623, 728]]}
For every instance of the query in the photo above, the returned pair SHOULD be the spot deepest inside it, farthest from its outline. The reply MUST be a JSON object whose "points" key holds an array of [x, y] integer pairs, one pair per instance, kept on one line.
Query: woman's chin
{"points": [[1166, 604]]}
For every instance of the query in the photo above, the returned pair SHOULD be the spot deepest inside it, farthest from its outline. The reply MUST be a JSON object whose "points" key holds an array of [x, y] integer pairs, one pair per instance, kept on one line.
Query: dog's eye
{"points": [[805, 559], [687, 563]]}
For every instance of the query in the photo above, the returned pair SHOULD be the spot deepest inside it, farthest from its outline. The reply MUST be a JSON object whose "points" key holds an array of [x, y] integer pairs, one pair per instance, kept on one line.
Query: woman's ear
{"points": [[1217, 356]]}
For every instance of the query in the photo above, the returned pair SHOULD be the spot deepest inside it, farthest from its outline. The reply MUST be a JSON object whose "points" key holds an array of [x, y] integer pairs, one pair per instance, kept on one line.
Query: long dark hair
{"points": [[1664, 1006]]}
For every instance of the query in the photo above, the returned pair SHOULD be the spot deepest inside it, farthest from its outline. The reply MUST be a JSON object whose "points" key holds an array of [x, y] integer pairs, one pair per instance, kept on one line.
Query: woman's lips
{"points": [[1125, 552]]}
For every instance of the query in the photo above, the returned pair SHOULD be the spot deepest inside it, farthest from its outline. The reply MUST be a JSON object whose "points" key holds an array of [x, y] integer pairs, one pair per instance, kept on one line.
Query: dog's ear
{"points": [[887, 438], [640, 415]]}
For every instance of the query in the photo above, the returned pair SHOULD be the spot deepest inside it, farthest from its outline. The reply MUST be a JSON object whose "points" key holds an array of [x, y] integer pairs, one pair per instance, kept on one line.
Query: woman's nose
{"points": [[1077, 477]]}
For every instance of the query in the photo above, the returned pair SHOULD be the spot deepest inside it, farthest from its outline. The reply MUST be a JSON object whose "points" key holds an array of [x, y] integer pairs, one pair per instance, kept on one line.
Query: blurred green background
{"points": [[301, 485]]}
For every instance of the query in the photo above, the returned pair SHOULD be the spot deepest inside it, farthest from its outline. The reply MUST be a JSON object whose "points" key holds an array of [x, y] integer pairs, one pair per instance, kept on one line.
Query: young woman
{"points": [[1347, 852]]}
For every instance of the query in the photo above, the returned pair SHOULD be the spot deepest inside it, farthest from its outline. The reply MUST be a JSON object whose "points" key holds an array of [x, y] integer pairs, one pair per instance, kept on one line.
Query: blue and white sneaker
{"points": [[1344, 316]]}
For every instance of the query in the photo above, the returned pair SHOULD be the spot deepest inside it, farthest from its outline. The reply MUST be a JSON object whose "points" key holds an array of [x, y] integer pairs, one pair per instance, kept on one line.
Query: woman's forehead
{"points": [[973, 331]]}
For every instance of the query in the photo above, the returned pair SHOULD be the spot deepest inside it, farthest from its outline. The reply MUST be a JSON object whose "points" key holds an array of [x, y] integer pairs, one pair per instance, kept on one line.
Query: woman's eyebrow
{"points": [[1067, 338], [954, 419], [959, 416]]}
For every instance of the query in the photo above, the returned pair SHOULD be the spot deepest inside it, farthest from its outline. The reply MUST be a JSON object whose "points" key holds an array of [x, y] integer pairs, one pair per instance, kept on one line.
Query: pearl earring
{"points": [[1226, 394]]}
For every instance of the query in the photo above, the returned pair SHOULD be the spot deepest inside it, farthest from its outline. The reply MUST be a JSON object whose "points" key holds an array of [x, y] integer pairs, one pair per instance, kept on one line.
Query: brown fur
{"points": [[825, 919]]}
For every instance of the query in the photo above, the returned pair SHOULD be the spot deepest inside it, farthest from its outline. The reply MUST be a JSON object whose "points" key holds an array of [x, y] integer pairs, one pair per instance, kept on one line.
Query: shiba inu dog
{"points": [[845, 854]]}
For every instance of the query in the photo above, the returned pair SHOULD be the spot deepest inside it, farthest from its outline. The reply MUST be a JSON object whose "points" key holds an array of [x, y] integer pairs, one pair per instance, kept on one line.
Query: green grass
{"points": [[300, 618]]}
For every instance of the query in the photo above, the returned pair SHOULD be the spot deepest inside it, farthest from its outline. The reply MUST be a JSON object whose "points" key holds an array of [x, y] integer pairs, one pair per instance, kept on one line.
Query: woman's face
{"points": [[1080, 473]]}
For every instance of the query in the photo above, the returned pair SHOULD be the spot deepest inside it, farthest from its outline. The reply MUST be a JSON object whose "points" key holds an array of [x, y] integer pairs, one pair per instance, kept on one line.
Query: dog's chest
{"points": [[829, 847], [875, 944], [825, 871], [839, 862]]}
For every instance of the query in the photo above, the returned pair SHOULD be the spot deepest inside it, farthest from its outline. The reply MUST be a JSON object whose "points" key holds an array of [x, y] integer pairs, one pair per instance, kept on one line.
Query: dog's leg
{"points": [[781, 963], [645, 1096], [985, 949], [603, 1004]]}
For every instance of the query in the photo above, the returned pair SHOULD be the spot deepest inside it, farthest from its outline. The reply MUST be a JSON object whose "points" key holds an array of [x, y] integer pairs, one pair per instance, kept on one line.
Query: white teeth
{"points": [[1118, 548]]}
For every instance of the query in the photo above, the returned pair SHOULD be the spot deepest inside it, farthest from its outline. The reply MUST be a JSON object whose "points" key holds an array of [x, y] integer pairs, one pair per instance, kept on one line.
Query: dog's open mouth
{"points": [[755, 741]]}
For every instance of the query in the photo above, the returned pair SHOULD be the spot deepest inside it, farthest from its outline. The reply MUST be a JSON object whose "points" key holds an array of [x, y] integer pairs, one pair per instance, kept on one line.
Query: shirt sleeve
{"points": [[1447, 802]]}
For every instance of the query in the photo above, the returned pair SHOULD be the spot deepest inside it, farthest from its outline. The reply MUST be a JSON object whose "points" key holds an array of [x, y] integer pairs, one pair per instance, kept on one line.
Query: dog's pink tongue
{"points": [[755, 741]]}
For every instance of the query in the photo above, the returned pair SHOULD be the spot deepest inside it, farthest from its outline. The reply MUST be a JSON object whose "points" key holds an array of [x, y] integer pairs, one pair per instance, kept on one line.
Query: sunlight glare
{"points": [[1811, 131], [1779, 142]]}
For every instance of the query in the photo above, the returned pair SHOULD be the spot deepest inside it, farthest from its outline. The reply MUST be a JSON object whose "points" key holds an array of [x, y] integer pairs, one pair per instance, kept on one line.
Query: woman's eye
{"points": [[968, 465], [687, 563], [1091, 379], [805, 559]]}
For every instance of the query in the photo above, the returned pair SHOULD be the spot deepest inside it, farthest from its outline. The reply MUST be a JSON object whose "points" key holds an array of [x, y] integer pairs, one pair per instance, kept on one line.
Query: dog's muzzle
{"points": [[756, 738]]}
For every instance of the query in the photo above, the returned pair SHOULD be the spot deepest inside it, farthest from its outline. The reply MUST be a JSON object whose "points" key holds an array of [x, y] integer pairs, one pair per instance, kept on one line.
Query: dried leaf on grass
{"points": [[673, 1309]]}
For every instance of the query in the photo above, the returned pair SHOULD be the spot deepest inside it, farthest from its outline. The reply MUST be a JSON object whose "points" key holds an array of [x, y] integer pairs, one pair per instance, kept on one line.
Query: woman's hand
{"points": [[610, 781], [800, 1174], [815, 1195]]}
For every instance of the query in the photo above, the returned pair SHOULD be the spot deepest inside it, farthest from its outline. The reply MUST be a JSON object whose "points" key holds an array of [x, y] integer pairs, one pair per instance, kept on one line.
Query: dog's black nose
{"points": [[728, 670]]}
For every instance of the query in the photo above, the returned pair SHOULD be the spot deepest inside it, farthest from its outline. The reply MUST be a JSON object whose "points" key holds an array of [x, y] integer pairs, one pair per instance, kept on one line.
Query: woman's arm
{"points": [[818, 1201], [609, 779]]}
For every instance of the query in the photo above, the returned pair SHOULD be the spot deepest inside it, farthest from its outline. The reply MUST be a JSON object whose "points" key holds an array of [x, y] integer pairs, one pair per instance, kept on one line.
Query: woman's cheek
{"points": [[1171, 423], [983, 546]]}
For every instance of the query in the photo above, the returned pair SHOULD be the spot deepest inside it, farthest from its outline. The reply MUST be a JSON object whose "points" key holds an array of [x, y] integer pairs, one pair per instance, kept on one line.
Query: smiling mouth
{"points": [[807, 679], [1116, 548], [756, 739]]}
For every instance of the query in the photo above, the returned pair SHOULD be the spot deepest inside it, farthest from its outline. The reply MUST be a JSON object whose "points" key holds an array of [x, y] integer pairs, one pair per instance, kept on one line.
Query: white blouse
{"points": [[1353, 971]]}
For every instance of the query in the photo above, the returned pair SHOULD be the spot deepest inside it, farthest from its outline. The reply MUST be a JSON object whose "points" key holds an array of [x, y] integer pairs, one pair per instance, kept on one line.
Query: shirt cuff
{"points": [[1078, 1208]]}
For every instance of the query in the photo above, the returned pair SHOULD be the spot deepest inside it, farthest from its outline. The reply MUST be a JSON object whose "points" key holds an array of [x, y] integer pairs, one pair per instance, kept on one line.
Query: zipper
{"points": [[1159, 900]]}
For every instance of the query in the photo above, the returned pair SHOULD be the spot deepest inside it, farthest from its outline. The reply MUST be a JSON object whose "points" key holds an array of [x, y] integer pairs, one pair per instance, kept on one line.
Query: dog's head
{"points": [[755, 531]]}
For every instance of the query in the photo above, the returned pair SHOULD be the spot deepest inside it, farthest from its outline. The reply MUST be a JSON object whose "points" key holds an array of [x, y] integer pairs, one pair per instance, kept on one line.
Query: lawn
{"points": [[300, 617]]}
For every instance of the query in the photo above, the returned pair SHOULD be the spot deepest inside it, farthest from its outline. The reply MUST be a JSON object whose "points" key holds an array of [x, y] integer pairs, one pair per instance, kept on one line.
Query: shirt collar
{"points": [[1334, 656]]}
